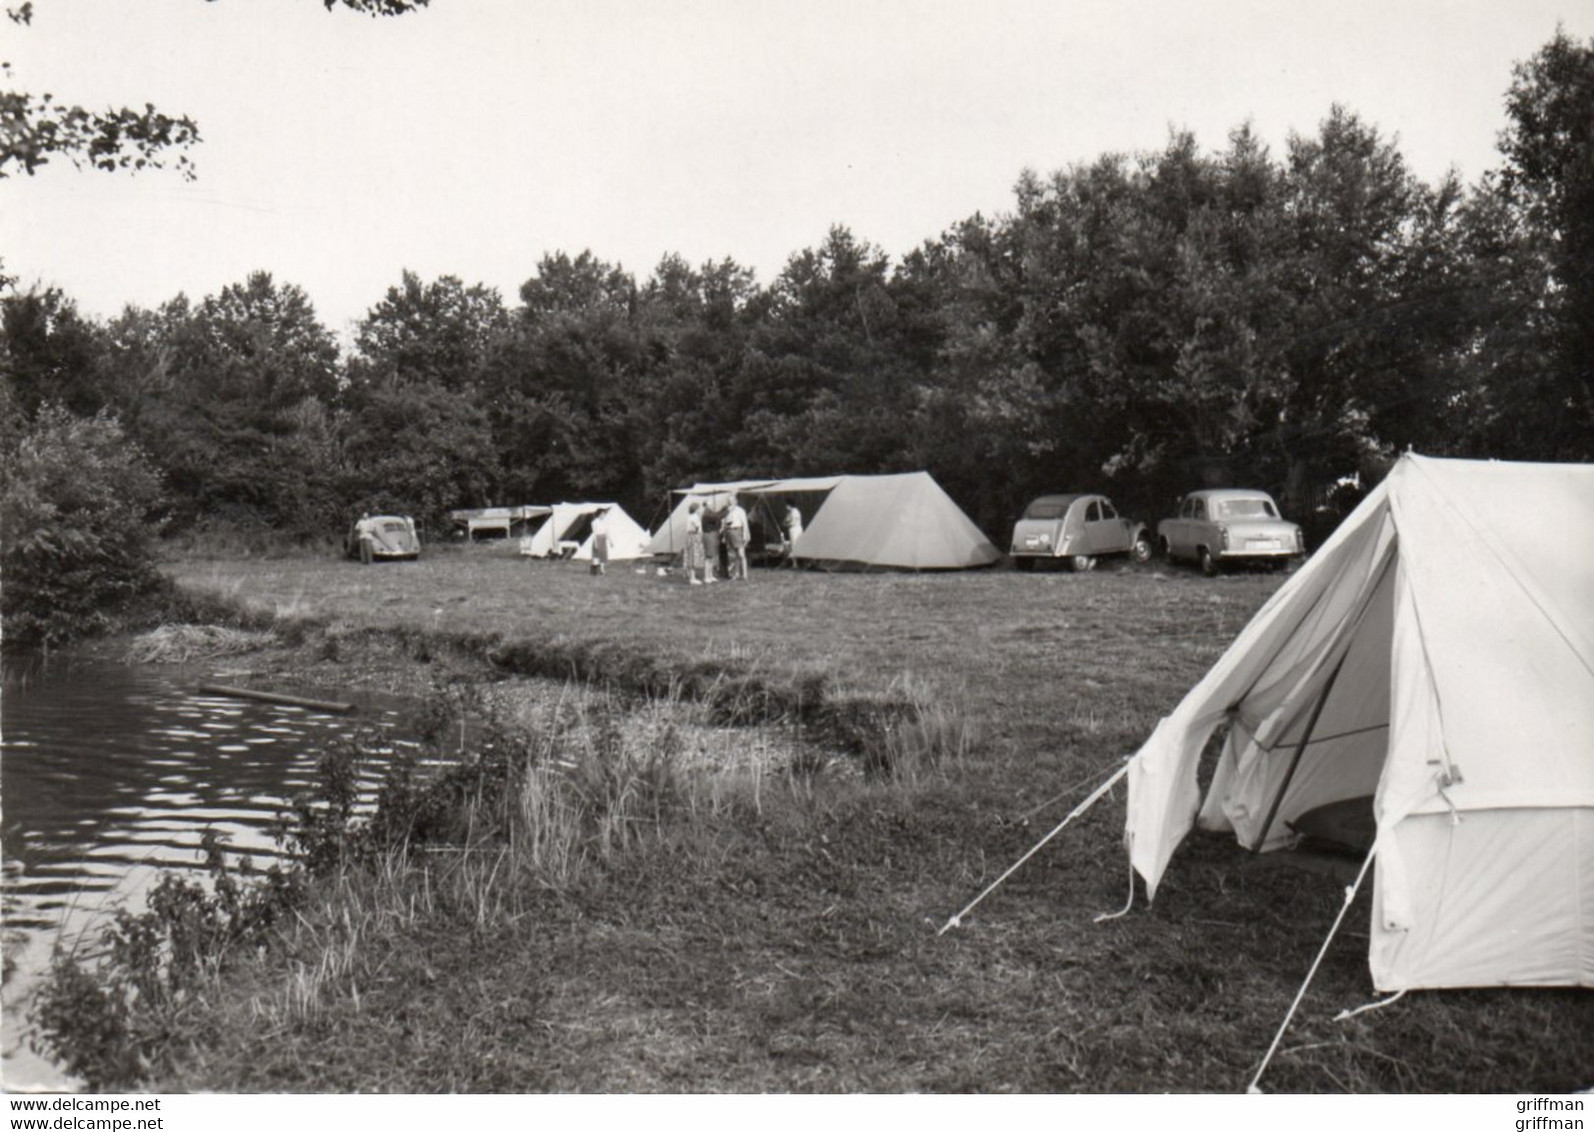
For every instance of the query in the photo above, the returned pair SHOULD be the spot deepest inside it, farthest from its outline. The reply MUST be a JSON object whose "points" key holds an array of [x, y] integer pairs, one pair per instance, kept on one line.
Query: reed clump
{"points": [[179, 644]]}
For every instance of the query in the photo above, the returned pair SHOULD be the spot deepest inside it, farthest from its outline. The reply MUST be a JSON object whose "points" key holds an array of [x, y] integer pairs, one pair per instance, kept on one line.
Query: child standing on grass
{"points": [[600, 543]]}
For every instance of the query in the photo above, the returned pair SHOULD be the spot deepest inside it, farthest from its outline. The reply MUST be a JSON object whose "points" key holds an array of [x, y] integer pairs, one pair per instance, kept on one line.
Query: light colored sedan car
{"points": [[1076, 529], [1219, 527]]}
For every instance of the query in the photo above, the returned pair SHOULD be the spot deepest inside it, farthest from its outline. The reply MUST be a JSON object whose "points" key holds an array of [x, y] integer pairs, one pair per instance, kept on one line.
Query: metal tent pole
{"points": [[1300, 749]]}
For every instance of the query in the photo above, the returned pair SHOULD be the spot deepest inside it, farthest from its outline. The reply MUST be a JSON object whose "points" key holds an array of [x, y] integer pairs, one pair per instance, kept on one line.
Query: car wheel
{"points": [[1024, 564], [1209, 564], [1081, 563], [1141, 551]]}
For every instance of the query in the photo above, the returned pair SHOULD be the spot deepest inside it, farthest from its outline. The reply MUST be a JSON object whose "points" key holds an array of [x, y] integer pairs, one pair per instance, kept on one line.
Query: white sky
{"points": [[471, 138]]}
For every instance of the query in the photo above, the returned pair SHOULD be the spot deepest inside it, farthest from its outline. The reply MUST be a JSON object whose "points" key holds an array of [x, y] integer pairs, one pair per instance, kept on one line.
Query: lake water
{"points": [[110, 774]]}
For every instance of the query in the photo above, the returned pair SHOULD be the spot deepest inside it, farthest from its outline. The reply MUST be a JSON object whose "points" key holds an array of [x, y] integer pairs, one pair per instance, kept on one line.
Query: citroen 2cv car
{"points": [[1078, 530], [1219, 527], [383, 536]]}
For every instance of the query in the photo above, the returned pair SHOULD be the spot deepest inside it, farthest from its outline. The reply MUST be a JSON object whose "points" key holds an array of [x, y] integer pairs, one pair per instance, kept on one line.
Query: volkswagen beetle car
{"points": [[1219, 527], [383, 536], [1078, 530]]}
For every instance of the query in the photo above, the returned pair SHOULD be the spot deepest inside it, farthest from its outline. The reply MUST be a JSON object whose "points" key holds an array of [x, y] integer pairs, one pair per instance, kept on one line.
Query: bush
{"points": [[74, 527]]}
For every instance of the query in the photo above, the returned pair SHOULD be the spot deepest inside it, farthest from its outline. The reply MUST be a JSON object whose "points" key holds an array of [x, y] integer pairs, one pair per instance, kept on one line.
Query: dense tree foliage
{"points": [[74, 524], [1548, 182], [1141, 323]]}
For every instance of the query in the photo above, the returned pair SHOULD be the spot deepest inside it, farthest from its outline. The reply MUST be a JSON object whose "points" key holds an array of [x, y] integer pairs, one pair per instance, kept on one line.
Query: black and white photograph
{"points": [[827, 554]]}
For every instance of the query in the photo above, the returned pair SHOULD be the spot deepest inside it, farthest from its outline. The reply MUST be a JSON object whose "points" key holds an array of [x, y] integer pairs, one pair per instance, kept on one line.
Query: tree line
{"points": [[1141, 324]]}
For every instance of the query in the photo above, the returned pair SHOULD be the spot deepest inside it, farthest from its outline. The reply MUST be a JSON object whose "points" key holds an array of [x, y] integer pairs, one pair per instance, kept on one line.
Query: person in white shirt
{"points": [[734, 528], [794, 526], [365, 532]]}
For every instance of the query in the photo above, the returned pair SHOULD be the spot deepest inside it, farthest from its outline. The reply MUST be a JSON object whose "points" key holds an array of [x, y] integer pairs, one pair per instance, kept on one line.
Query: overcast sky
{"points": [[474, 137]]}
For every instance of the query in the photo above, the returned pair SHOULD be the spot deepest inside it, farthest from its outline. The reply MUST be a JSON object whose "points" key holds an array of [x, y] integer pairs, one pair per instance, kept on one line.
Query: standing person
{"points": [[366, 537], [711, 542], [793, 523], [736, 539], [600, 542], [692, 556]]}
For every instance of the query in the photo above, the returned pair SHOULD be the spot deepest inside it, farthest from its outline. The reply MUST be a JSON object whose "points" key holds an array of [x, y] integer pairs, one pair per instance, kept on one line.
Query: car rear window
{"points": [[1048, 509], [1247, 509], [393, 526]]}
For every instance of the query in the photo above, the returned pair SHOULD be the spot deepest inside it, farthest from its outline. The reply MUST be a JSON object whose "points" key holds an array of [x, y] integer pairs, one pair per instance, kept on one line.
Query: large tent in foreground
{"points": [[903, 522], [1432, 665], [568, 533]]}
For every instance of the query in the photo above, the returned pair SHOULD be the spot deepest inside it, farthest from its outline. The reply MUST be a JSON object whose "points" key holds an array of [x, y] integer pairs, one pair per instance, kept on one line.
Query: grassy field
{"points": [[786, 937]]}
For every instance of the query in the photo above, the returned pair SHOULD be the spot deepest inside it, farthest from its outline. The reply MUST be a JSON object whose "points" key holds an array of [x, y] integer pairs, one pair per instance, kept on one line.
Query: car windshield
{"points": [[1247, 509], [392, 526]]}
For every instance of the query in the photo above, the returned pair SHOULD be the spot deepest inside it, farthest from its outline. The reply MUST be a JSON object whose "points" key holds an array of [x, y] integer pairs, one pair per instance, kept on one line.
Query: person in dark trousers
{"points": [[711, 543], [364, 534]]}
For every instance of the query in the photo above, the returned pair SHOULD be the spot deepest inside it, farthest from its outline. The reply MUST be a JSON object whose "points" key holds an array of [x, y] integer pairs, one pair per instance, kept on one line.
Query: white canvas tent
{"points": [[568, 533], [1436, 656], [903, 521]]}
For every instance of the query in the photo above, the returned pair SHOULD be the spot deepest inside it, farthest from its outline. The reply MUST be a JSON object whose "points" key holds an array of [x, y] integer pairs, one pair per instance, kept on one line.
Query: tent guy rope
{"points": [[1128, 904], [1095, 796], [1350, 896], [1345, 1015]]}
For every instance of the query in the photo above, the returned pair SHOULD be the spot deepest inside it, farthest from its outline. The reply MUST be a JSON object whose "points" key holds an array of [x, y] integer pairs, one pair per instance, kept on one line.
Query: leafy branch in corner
{"points": [[35, 128]]}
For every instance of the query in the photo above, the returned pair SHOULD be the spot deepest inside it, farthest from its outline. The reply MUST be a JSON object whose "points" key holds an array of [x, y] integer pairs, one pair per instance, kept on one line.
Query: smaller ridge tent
{"points": [[568, 533], [1432, 669], [904, 521]]}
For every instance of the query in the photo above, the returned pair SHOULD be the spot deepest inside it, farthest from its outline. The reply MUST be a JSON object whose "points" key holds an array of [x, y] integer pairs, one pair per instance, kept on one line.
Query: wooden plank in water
{"points": [[340, 707]]}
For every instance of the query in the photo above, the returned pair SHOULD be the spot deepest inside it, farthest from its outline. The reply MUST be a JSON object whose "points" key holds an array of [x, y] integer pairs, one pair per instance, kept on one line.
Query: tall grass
{"points": [[584, 787], [213, 540]]}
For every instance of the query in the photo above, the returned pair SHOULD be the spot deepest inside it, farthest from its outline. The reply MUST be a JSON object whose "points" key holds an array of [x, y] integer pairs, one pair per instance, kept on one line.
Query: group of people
{"points": [[709, 530]]}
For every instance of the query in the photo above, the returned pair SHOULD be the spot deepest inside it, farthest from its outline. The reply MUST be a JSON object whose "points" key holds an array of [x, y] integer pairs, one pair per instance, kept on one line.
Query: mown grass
{"points": [[776, 929]]}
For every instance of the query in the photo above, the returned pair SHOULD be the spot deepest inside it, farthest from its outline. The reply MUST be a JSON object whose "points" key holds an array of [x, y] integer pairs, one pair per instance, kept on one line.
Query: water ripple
{"points": [[113, 774]]}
